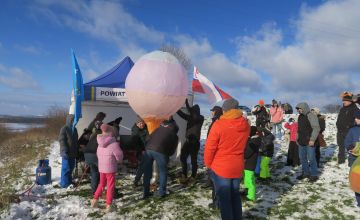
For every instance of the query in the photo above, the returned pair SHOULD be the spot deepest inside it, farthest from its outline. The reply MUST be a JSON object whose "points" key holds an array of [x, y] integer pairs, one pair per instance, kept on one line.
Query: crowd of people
{"points": [[234, 150]]}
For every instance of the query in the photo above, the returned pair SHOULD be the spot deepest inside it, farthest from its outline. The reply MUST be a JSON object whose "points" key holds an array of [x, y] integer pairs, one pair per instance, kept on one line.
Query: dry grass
{"points": [[19, 150]]}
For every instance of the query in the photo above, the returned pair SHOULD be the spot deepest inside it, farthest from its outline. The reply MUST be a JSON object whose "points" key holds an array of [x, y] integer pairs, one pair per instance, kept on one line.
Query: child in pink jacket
{"points": [[109, 155], [293, 151]]}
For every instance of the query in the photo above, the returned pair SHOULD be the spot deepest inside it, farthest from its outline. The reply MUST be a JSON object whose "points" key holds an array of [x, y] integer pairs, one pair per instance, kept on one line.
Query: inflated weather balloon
{"points": [[156, 87], [354, 176]]}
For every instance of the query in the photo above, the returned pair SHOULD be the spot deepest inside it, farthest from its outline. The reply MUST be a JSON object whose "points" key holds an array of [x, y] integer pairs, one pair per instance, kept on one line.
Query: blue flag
{"points": [[78, 89]]}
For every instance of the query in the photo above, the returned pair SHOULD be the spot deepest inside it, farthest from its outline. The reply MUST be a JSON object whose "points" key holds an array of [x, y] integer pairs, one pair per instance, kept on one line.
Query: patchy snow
{"points": [[282, 198]]}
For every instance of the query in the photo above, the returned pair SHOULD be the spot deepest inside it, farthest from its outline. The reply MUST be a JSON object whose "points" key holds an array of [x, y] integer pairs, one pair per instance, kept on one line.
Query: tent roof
{"points": [[115, 77]]}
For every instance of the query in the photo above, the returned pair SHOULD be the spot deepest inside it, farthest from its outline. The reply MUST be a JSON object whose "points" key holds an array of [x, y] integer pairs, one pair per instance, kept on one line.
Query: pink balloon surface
{"points": [[157, 85]]}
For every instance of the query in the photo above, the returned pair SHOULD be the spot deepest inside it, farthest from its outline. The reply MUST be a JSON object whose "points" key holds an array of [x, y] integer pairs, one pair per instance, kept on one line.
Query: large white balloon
{"points": [[157, 85]]}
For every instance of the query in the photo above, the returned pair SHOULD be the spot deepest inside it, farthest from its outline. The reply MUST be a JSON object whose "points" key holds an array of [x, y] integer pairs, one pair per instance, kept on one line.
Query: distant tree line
{"points": [[332, 108]]}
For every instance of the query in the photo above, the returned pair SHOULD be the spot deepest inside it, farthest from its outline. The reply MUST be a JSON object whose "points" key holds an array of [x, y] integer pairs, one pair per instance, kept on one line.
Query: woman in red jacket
{"points": [[224, 155]]}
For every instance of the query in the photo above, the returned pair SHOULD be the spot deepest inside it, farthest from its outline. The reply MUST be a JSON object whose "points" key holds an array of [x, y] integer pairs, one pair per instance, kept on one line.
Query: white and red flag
{"points": [[201, 84]]}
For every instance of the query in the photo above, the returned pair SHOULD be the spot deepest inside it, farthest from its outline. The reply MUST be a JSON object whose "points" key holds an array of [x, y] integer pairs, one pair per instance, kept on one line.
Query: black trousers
{"points": [[293, 154], [340, 141], [191, 147]]}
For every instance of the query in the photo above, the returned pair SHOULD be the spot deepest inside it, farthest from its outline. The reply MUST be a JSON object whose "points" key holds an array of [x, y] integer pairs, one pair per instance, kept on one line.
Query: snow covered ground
{"points": [[282, 198]]}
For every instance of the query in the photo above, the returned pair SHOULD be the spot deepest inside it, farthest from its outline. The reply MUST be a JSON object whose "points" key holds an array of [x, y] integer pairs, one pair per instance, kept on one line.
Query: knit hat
{"points": [[230, 104], [274, 102], [347, 96], [106, 129], [357, 114], [291, 120], [261, 102]]}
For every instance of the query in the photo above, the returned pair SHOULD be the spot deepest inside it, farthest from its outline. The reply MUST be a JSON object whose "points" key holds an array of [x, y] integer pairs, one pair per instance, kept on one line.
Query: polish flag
{"points": [[201, 84]]}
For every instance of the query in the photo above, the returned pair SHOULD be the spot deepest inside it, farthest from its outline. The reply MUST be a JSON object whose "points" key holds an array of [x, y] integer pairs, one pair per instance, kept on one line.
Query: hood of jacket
{"points": [[304, 106], [105, 140], [195, 109], [232, 114]]}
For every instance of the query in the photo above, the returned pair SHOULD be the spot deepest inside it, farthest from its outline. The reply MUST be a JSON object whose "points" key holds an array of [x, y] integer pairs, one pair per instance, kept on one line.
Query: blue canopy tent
{"points": [[110, 85]]}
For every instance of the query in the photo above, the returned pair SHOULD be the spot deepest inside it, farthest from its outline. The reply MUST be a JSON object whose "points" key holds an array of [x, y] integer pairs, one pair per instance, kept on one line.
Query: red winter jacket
{"points": [[293, 127], [225, 145]]}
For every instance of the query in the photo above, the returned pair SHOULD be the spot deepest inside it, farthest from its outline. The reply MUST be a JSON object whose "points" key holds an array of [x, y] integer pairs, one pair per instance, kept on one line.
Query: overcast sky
{"points": [[288, 50]]}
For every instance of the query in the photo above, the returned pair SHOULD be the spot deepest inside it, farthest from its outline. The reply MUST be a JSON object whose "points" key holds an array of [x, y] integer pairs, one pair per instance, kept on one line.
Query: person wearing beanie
{"points": [[109, 155], [262, 115], [68, 139], [322, 125], [351, 140], [224, 156], [251, 155], [293, 150], [191, 146], [344, 122], [277, 116]]}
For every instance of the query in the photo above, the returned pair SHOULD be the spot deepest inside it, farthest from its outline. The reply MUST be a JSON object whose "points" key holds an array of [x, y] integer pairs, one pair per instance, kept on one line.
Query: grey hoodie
{"points": [[313, 119]]}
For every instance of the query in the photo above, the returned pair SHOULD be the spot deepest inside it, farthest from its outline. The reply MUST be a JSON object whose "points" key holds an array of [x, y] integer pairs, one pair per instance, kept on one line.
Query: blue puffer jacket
{"points": [[352, 137]]}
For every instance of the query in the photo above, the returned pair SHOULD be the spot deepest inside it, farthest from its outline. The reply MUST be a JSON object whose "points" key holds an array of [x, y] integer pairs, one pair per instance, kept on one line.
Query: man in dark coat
{"points": [[345, 121], [308, 131], [262, 115], [192, 144], [68, 138], [161, 145], [140, 135]]}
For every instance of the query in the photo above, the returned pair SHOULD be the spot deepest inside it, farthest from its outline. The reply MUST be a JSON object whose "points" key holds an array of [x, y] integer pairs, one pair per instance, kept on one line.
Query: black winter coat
{"points": [[252, 152], [92, 145], [267, 143], [262, 116], [164, 139], [194, 121], [143, 134], [346, 118], [68, 140]]}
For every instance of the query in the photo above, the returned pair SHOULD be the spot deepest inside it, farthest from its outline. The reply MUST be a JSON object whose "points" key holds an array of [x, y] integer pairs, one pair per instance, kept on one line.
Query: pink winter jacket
{"points": [[277, 114], [293, 127], [108, 153]]}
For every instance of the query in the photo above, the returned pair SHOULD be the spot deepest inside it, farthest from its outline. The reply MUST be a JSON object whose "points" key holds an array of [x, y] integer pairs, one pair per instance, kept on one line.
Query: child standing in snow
{"points": [[352, 137], [251, 155], [109, 154], [266, 151], [293, 151]]}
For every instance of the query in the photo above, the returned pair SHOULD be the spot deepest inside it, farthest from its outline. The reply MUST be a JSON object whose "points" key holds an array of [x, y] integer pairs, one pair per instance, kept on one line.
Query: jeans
{"points": [[162, 161], [308, 160], [91, 160], [340, 137], [67, 167], [228, 194], [191, 147], [108, 180], [258, 162]]}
